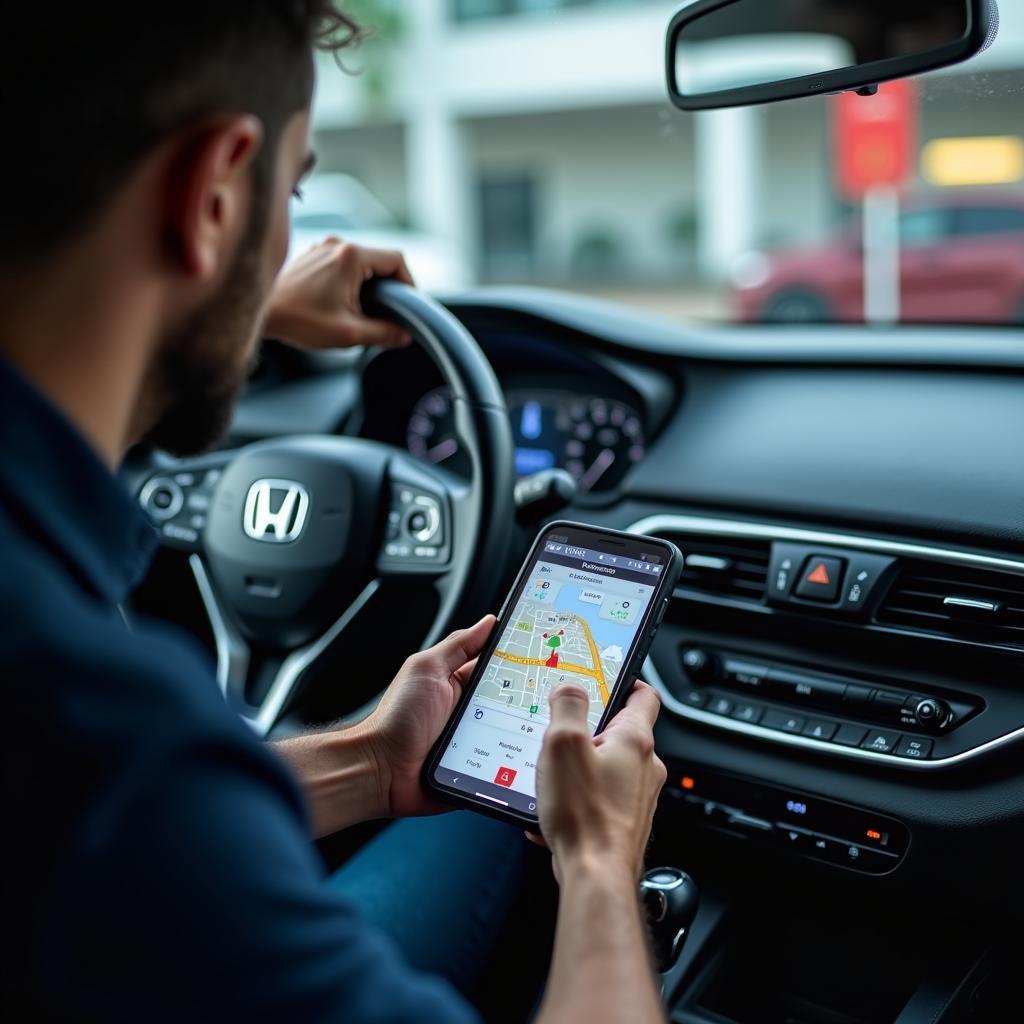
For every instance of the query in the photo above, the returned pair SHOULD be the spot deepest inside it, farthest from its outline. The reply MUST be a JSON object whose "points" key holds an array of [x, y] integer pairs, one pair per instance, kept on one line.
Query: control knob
{"points": [[700, 665]]}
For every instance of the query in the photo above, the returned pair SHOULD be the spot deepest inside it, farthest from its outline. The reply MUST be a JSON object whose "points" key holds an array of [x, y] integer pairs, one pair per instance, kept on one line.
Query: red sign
{"points": [[505, 776], [876, 138]]}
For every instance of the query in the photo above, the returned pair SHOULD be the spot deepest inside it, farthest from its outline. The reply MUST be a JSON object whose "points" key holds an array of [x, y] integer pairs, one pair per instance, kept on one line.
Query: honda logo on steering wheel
{"points": [[275, 511]]}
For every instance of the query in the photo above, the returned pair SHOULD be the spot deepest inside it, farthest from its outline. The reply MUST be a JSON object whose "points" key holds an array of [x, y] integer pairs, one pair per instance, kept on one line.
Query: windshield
{"points": [[534, 141]]}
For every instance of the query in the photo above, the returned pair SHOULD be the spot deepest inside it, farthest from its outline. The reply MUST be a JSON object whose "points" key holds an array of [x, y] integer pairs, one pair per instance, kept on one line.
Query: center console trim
{"points": [[656, 524]]}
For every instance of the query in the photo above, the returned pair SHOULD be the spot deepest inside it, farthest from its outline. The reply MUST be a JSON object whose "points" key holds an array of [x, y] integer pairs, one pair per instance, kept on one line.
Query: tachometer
{"points": [[430, 435]]}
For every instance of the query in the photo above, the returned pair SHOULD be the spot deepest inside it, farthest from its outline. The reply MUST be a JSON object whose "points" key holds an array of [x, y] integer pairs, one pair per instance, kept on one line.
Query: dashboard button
{"points": [[824, 847], [915, 749], [881, 742], [821, 579], [858, 698], [785, 564], [792, 837], [745, 674], [700, 665], [694, 697], [783, 722], [748, 823], [888, 704], [747, 713], [862, 580], [720, 705], [794, 686], [816, 729], [850, 735]]}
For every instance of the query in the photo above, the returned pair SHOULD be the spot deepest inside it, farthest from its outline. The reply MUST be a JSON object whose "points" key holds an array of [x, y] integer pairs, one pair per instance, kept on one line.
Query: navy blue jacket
{"points": [[156, 859]]}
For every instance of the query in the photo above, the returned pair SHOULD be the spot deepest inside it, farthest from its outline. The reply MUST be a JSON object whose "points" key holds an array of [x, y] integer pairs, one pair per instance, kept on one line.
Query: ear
{"points": [[210, 194]]}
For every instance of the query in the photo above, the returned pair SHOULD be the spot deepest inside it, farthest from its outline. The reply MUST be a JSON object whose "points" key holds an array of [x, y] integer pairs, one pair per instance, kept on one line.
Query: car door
{"points": [[927, 282]]}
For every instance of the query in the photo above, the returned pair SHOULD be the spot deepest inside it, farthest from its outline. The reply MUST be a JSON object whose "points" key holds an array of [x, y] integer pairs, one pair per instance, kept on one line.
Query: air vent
{"points": [[976, 605], [724, 566]]}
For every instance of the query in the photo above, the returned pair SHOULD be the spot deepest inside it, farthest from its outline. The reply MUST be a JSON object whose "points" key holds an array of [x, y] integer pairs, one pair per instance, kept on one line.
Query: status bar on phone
{"points": [[602, 558]]}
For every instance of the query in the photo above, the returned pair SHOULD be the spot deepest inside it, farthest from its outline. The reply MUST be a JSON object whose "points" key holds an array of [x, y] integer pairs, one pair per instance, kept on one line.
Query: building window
{"points": [[508, 227]]}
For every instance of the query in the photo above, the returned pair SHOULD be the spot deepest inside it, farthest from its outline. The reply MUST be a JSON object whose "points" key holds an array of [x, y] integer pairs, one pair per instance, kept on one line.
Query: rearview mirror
{"points": [[727, 53]]}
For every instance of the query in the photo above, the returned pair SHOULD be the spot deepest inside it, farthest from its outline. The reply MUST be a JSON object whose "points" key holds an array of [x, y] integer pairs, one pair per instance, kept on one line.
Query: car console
{"points": [[798, 823], [853, 647], [879, 716]]}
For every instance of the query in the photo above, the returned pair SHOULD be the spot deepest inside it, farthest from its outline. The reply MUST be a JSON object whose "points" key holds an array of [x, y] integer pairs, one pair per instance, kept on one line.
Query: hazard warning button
{"points": [[821, 578]]}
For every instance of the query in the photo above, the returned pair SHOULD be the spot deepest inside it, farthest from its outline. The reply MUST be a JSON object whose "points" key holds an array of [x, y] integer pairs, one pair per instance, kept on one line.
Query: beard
{"points": [[203, 366]]}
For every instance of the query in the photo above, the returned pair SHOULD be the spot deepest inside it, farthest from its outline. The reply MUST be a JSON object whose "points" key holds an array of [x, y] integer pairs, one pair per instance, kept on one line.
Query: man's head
{"points": [[173, 134]]}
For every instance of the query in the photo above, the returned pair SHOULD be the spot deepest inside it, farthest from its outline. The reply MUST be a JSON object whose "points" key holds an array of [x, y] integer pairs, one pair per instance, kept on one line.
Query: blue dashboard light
{"points": [[533, 460], [795, 807], [532, 423]]}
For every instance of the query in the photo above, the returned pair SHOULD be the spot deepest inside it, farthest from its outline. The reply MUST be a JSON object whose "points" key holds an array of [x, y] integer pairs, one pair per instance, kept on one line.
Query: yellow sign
{"points": [[984, 160]]}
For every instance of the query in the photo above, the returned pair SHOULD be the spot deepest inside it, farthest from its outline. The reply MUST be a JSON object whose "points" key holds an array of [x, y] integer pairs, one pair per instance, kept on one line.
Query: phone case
{"points": [[645, 635]]}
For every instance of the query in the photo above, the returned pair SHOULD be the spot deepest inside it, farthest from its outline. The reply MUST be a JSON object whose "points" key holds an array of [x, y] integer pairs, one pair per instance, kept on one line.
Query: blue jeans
{"points": [[441, 887]]}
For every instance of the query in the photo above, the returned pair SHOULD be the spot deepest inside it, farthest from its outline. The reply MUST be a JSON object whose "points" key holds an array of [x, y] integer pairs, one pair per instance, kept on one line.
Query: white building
{"points": [[537, 134]]}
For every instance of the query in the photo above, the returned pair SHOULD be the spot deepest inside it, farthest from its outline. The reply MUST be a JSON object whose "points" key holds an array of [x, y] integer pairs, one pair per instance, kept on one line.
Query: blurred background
{"points": [[531, 142]]}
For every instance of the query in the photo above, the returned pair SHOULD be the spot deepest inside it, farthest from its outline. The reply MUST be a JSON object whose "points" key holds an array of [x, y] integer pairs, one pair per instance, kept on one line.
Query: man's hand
{"points": [[413, 711], [372, 769], [596, 799], [315, 303], [596, 796]]}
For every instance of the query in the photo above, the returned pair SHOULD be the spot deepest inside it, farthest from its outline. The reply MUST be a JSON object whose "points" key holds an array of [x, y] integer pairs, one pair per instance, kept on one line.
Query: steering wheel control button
{"points": [[747, 713], [881, 742], [162, 498], [185, 534], [821, 579], [817, 729], [423, 520], [915, 749], [783, 722], [850, 735]]}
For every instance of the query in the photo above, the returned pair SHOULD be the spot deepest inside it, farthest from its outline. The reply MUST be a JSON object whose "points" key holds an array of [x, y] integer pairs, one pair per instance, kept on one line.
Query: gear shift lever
{"points": [[670, 899]]}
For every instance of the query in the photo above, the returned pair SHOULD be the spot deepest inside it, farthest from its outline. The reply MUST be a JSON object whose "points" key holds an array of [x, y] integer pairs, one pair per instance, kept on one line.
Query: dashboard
{"points": [[842, 665], [588, 413]]}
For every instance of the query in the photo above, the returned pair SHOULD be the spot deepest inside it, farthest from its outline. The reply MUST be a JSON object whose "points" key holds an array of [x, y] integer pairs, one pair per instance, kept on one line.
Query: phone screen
{"points": [[574, 617]]}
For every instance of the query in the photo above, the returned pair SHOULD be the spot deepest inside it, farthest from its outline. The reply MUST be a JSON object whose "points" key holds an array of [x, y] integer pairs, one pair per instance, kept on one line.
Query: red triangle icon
{"points": [[820, 575]]}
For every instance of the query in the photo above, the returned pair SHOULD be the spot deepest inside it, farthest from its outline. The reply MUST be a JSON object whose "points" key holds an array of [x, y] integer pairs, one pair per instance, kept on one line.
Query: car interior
{"points": [[840, 666]]}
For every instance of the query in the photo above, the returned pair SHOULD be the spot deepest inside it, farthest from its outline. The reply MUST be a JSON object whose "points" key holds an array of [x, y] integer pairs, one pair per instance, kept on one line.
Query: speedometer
{"points": [[596, 439]]}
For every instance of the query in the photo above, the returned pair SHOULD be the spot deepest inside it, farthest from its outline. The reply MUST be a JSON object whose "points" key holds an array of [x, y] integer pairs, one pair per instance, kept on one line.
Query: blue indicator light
{"points": [[533, 460], [532, 422], [795, 807]]}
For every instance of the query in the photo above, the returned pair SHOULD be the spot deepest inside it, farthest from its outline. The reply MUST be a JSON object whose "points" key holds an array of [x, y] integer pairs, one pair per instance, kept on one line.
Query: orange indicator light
{"points": [[686, 782], [873, 834]]}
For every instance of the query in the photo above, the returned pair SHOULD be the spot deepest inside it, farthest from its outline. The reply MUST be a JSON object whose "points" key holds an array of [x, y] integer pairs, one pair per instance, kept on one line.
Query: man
{"points": [[157, 863]]}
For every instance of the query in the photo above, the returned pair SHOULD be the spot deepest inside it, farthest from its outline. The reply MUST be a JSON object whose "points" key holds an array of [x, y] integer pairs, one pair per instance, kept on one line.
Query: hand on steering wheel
{"points": [[291, 539], [316, 301]]}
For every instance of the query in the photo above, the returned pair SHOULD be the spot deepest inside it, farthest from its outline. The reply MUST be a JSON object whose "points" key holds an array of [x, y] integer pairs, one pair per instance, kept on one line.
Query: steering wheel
{"points": [[290, 538]]}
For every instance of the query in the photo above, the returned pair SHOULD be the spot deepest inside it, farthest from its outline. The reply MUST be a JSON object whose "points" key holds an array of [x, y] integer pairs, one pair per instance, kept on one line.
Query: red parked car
{"points": [[962, 262]]}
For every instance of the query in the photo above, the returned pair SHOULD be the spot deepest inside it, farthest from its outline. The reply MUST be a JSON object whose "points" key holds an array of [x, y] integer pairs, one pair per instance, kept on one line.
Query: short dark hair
{"points": [[88, 89]]}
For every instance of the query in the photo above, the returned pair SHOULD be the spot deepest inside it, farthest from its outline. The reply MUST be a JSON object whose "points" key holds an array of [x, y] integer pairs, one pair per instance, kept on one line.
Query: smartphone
{"points": [[585, 607]]}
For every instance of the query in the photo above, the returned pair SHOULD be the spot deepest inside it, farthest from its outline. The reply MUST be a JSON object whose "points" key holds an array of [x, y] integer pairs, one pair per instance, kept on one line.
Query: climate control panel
{"points": [[799, 823]]}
